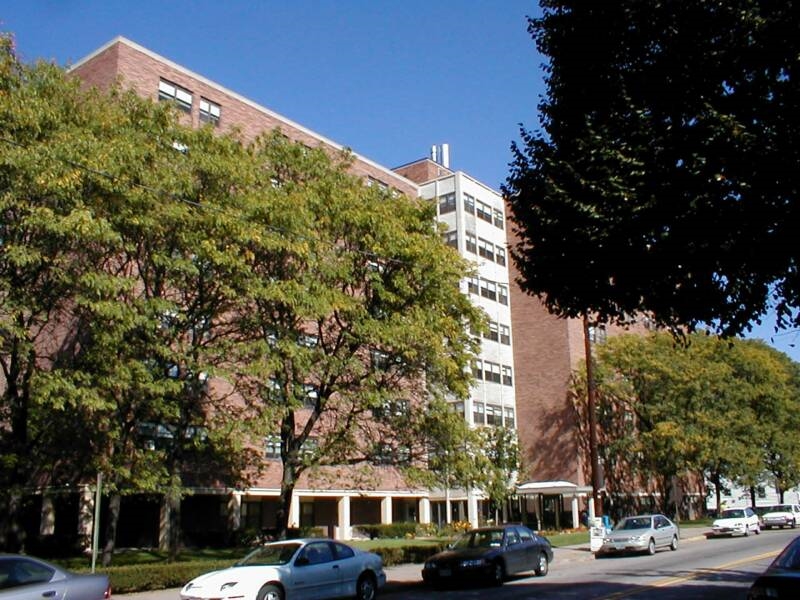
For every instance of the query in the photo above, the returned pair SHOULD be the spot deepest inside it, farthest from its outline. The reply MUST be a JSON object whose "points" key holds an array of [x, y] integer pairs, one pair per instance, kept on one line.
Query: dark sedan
{"points": [[490, 554], [24, 577], [782, 577]]}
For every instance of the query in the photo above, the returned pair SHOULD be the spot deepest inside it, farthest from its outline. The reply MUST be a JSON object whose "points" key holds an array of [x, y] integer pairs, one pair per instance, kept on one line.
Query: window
{"points": [[343, 551], [498, 218], [598, 334], [447, 203], [500, 255], [505, 335], [492, 334], [477, 369], [486, 248], [478, 410], [491, 371], [170, 92], [310, 395], [272, 446], [507, 379], [469, 204], [494, 415], [458, 407], [484, 211], [392, 408], [508, 414], [502, 291], [488, 289], [210, 112], [318, 553], [472, 245], [308, 340], [472, 285], [451, 239]]}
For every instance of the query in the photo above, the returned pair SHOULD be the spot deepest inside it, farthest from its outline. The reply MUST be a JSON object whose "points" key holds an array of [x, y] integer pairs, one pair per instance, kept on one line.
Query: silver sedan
{"points": [[24, 577], [642, 533]]}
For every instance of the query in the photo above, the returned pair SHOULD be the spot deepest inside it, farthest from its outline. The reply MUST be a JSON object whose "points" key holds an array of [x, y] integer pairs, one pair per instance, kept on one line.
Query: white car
{"points": [[781, 515], [305, 569], [642, 533], [736, 521]]}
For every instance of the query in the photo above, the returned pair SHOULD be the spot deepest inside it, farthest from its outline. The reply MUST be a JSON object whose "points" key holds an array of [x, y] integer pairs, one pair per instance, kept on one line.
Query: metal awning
{"points": [[532, 488]]}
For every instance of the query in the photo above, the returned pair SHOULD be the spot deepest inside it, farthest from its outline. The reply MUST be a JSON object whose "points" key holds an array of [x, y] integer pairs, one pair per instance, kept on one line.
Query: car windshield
{"points": [[634, 523], [733, 513], [789, 558], [271, 554], [485, 538]]}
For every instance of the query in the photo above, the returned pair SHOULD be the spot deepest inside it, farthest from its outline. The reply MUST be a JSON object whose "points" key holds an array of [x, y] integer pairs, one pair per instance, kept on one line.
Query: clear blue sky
{"points": [[387, 79]]}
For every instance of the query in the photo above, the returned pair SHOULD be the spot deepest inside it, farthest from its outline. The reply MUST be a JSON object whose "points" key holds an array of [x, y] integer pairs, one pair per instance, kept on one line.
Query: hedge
{"points": [[158, 576]]}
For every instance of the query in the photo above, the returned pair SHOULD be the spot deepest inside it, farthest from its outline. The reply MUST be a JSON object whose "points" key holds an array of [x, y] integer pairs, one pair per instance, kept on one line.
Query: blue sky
{"points": [[387, 79]]}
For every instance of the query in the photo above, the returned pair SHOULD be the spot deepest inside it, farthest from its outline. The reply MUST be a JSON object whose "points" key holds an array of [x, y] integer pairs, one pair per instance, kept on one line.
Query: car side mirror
{"points": [[301, 561]]}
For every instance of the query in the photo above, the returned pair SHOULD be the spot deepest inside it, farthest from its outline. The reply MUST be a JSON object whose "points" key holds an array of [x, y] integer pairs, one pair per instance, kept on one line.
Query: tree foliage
{"points": [[169, 297], [664, 176], [715, 408]]}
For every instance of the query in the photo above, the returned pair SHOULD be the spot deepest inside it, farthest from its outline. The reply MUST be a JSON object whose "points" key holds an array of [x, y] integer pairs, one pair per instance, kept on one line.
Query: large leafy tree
{"points": [[664, 176], [353, 310], [715, 408]]}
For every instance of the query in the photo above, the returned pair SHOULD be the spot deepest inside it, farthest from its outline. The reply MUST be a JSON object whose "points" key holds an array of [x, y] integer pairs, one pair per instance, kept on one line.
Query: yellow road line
{"points": [[694, 575]]}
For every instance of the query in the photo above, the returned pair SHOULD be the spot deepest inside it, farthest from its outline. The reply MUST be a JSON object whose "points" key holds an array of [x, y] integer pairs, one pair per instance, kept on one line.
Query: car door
{"points": [[316, 573], [350, 566], [531, 548], [514, 552], [22, 579], [663, 531]]}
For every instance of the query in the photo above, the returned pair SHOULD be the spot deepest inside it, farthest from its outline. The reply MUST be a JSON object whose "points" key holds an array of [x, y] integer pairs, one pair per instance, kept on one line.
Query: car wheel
{"points": [[543, 566], [781, 526], [746, 530], [366, 588], [270, 592], [674, 545], [651, 547], [767, 526], [794, 523], [758, 529], [498, 573]]}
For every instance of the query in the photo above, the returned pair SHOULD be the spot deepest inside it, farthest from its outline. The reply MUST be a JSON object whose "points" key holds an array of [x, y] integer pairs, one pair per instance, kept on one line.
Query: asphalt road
{"points": [[720, 569]]}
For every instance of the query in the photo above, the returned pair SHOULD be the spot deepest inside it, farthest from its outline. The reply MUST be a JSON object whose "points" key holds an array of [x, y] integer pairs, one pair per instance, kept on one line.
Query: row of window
{"points": [[472, 206], [492, 372], [497, 292], [210, 112], [497, 332], [489, 414]]}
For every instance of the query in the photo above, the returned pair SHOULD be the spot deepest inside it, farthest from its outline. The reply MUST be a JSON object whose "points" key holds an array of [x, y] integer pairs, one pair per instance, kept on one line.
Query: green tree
{"points": [[499, 453], [663, 179], [353, 306]]}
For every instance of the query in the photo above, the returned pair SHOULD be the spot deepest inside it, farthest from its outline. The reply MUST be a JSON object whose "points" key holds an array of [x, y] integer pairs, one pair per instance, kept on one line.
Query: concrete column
{"points": [[344, 531], [575, 513], [47, 521], [235, 511], [424, 511], [294, 511], [592, 514], [386, 510], [85, 517], [472, 508]]}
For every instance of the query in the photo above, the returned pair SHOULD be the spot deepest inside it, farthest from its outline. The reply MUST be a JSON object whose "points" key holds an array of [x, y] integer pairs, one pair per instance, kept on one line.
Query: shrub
{"points": [[388, 530], [136, 578], [407, 554]]}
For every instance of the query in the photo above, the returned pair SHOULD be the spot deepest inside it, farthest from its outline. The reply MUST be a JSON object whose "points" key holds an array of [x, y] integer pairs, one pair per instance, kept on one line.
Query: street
{"points": [[707, 569]]}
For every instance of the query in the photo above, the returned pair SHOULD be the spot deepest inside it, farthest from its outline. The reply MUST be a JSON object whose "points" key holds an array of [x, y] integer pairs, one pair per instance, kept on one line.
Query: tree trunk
{"points": [[285, 501], [174, 536], [753, 496], [114, 503], [717, 491]]}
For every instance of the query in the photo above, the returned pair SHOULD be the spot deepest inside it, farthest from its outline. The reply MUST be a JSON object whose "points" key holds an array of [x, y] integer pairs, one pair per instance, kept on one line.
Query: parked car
{"points": [[24, 577], [780, 515], [641, 533], [304, 569], [490, 554], [782, 577], [736, 521]]}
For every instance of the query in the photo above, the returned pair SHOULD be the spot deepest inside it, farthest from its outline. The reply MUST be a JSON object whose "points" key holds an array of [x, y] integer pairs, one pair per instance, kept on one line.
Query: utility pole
{"points": [[591, 403]]}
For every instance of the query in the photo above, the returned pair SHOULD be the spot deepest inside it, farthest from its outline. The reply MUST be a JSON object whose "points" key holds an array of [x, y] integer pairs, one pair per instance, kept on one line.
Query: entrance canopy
{"points": [[566, 488]]}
